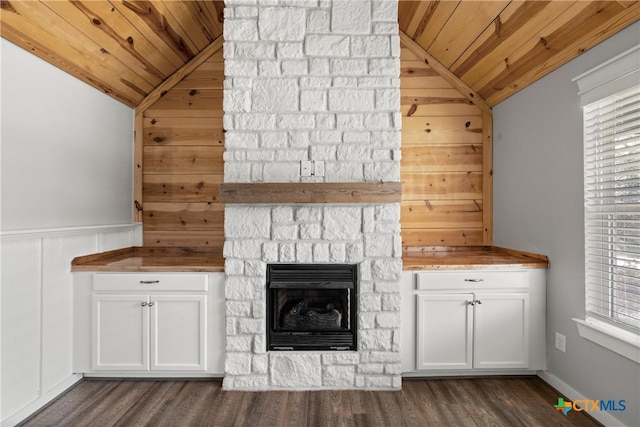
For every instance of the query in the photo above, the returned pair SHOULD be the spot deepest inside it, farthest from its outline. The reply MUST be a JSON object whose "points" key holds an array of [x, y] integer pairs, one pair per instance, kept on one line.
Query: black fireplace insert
{"points": [[311, 307]]}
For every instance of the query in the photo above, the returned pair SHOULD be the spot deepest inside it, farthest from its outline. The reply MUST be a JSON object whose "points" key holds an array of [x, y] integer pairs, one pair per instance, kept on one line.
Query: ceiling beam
{"points": [[444, 72]]}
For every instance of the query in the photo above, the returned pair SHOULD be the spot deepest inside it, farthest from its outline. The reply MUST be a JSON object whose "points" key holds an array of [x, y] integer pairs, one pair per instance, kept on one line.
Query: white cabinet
{"points": [[501, 330], [467, 330], [445, 331], [141, 332], [178, 332], [120, 332], [476, 321], [145, 324]]}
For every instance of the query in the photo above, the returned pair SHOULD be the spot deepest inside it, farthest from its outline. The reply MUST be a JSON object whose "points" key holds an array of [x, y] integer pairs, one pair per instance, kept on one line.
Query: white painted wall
{"points": [[67, 149], [538, 207]]}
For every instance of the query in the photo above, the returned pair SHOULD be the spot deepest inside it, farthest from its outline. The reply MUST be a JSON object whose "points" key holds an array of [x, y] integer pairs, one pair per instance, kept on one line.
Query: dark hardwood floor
{"points": [[520, 401]]}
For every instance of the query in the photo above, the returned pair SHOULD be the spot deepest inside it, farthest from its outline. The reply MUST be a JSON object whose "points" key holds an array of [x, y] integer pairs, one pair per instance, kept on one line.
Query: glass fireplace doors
{"points": [[311, 307]]}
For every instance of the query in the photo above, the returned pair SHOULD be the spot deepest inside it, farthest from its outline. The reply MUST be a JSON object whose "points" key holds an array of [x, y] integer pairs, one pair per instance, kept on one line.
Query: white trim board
{"points": [[613, 338], [572, 394], [38, 404], [67, 231]]}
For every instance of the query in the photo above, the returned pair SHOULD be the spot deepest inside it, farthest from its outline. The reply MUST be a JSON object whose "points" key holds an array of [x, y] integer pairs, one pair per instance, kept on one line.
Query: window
{"points": [[612, 208], [610, 97]]}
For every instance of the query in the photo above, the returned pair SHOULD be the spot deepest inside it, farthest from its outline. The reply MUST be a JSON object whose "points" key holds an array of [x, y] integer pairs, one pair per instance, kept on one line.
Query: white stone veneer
{"points": [[354, 234], [312, 80]]}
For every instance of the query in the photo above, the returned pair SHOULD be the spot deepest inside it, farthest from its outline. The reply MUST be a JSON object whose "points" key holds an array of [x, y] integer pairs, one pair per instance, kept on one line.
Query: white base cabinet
{"points": [[120, 333], [144, 324], [466, 331], [179, 332], [468, 322], [501, 330], [149, 332], [445, 332]]}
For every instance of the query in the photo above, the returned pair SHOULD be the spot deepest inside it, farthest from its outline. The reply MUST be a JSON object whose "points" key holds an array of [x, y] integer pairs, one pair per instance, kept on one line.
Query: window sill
{"points": [[623, 342]]}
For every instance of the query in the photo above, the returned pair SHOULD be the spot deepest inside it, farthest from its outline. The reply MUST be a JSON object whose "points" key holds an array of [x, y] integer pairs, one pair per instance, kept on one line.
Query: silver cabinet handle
{"points": [[478, 301], [151, 304], [474, 280], [144, 303], [149, 282]]}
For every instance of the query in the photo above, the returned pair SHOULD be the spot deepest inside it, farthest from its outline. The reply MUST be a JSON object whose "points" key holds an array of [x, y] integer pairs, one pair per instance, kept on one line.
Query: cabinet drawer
{"points": [[470, 280], [150, 282]]}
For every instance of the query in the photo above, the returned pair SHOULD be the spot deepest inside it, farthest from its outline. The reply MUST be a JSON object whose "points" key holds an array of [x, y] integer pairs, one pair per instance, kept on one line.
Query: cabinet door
{"points": [[120, 339], [501, 330], [444, 331], [178, 332]]}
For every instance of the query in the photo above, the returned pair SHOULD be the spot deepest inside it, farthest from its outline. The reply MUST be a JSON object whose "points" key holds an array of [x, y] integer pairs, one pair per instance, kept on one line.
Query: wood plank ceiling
{"points": [[123, 48], [499, 47], [127, 48]]}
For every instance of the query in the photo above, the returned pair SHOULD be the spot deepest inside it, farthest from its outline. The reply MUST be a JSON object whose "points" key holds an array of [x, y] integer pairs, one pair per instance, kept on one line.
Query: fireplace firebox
{"points": [[311, 307]]}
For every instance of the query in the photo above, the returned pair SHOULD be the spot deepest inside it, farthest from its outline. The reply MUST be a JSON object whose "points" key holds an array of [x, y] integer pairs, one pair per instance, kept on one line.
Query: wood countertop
{"points": [[140, 259], [154, 259], [470, 258]]}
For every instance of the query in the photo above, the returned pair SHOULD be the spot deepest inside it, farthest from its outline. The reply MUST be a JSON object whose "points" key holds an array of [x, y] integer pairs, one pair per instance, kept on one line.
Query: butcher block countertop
{"points": [[470, 258], [150, 259]]}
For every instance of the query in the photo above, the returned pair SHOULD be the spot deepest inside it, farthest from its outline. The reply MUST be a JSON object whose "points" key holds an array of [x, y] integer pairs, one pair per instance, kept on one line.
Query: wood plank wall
{"points": [[442, 161], [183, 143]]}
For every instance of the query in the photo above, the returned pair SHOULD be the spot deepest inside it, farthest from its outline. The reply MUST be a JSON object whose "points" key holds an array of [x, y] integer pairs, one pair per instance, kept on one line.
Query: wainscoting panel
{"points": [[37, 310], [21, 322]]}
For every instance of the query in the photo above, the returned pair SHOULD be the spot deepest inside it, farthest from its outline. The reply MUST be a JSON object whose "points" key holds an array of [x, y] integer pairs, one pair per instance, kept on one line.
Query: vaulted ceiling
{"points": [[128, 48], [124, 48], [499, 47]]}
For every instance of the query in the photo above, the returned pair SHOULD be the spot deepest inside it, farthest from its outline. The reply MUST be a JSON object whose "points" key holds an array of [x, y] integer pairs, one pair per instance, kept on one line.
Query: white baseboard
{"points": [[42, 401], [439, 373], [572, 394], [153, 375]]}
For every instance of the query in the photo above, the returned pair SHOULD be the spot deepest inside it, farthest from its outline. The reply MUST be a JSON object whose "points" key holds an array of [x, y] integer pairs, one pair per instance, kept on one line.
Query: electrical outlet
{"points": [[318, 168], [305, 168], [561, 342]]}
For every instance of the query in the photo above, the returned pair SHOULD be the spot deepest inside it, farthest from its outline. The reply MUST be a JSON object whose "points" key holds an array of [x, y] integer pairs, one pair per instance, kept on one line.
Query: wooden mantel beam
{"points": [[300, 192], [466, 90]]}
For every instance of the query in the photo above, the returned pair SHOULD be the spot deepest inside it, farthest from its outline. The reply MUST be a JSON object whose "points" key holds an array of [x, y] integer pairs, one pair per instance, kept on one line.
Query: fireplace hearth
{"points": [[311, 307]]}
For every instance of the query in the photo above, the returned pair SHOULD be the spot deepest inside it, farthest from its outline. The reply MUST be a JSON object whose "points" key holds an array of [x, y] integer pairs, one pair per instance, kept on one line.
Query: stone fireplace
{"points": [[312, 97]]}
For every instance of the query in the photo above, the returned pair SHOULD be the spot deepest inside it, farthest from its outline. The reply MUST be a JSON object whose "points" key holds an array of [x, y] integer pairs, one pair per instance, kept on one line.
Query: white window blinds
{"points": [[612, 207]]}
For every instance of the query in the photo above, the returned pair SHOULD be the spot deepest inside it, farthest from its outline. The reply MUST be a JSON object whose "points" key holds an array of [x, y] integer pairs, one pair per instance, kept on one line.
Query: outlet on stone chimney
{"points": [[311, 168], [305, 168]]}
